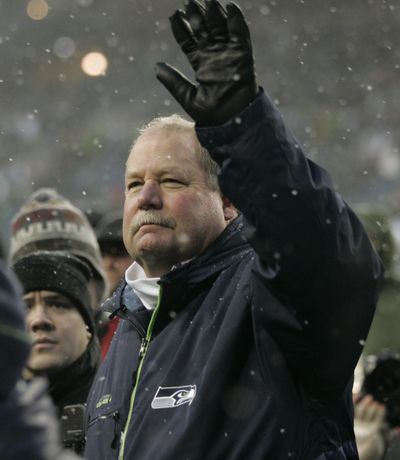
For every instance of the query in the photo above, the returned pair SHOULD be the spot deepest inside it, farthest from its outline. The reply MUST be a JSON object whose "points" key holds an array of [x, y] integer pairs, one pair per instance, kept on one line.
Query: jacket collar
{"points": [[229, 246]]}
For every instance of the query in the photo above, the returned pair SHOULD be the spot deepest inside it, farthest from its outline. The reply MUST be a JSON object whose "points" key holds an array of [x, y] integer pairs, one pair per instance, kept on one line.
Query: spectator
{"points": [[113, 252], [240, 336], [377, 408], [115, 261], [48, 221], [27, 416], [377, 402], [60, 322], [14, 341], [384, 332]]}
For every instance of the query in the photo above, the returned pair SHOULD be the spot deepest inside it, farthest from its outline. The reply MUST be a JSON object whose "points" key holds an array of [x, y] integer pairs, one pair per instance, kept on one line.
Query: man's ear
{"points": [[88, 334], [230, 212]]}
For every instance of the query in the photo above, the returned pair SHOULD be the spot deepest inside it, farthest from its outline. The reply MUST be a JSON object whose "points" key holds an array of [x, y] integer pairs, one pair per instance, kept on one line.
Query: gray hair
{"points": [[176, 123]]}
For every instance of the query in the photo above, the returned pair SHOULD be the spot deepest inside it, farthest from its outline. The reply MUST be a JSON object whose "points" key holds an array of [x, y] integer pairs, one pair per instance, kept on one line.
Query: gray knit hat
{"points": [[48, 221]]}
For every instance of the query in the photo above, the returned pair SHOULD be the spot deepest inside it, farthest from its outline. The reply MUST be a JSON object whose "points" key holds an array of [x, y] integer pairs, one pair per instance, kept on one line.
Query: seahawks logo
{"points": [[167, 397]]}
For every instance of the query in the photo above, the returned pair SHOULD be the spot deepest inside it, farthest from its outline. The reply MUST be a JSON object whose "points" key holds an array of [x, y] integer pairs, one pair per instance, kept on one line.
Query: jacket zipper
{"points": [[142, 354], [121, 312]]}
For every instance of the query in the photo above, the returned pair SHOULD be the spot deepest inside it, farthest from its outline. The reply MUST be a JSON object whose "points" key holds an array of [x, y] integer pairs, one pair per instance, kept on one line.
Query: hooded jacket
{"points": [[250, 351]]}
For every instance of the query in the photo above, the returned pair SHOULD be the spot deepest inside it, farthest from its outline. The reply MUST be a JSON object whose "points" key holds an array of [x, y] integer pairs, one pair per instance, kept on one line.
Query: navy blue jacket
{"points": [[251, 349]]}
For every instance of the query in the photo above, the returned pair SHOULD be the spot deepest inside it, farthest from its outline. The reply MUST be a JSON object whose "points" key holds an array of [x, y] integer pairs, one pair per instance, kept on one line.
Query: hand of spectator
{"points": [[217, 44], [371, 428]]}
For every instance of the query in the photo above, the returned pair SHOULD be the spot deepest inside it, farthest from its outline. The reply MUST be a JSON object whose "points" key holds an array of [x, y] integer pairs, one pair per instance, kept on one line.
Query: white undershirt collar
{"points": [[145, 288]]}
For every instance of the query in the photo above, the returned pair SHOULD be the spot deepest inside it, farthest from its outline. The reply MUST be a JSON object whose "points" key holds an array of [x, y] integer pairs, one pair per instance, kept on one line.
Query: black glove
{"points": [[218, 47]]}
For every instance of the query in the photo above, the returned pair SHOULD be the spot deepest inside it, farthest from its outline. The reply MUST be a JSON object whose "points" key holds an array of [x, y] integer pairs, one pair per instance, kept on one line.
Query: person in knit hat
{"points": [[48, 221], [29, 427], [59, 318]]}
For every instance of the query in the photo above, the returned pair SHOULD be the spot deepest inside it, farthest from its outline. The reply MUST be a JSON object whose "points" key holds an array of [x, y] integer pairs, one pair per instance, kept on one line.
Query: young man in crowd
{"points": [[60, 323], [239, 333], [29, 427]]}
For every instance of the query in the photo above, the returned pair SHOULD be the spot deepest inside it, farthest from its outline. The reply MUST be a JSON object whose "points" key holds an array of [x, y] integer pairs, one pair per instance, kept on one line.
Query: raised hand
{"points": [[218, 46]]}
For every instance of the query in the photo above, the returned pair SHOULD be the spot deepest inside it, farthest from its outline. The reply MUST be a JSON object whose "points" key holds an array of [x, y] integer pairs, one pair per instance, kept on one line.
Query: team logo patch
{"points": [[167, 397]]}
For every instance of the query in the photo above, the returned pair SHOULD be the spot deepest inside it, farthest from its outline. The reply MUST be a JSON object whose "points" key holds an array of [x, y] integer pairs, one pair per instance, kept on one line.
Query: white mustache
{"points": [[151, 218]]}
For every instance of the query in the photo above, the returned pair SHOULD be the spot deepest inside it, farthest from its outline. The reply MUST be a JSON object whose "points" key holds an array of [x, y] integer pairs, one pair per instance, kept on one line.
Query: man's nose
{"points": [[39, 319], [150, 196]]}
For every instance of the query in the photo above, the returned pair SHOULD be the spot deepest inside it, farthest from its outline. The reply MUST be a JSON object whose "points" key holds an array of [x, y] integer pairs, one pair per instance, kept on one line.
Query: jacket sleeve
{"points": [[314, 255]]}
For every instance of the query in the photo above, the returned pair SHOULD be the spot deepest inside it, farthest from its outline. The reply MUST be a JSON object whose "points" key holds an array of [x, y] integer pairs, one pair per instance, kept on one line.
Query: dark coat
{"points": [[72, 384], [251, 349], [69, 390]]}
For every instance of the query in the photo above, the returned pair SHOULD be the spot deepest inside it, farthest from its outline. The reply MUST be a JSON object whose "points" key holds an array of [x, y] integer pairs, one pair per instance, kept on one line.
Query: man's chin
{"points": [[156, 256], [151, 244], [43, 368]]}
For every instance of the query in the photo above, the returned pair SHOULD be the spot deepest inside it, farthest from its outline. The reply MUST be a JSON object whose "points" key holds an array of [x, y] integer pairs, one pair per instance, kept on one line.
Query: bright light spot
{"points": [[37, 9], [94, 64], [64, 47], [264, 10]]}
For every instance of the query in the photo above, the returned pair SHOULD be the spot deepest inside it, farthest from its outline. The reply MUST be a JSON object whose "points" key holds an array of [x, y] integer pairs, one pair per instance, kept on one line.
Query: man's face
{"points": [[170, 213], [57, 329]]}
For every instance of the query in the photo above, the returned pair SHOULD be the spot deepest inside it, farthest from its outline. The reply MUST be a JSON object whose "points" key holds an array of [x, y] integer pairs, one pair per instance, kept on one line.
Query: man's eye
{"points": [[171, 181], [133, 185], [28, 304], [59, 304]]}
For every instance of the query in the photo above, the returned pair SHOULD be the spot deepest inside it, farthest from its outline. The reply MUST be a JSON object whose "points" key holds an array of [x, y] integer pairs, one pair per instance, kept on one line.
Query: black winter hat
{"points": [[109, 233], [60, 272]]}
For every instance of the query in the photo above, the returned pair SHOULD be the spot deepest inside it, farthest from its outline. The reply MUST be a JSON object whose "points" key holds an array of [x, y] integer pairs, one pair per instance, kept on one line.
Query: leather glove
{"points": [[217, 44]]}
